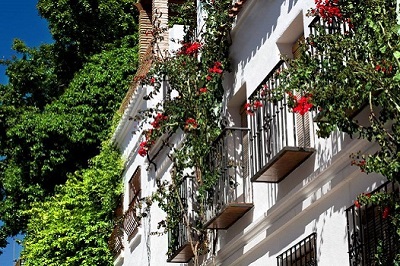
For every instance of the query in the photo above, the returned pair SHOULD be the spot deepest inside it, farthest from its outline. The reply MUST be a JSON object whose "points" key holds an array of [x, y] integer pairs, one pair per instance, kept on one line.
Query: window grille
{"points": [[303, 253], [115, 241], [131, 221], [134, 186], [370, 233]]}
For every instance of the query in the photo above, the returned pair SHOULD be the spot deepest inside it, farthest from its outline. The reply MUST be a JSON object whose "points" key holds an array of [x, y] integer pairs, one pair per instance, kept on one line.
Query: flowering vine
{"points": [[251, 108], [349, 68], [192, 104]]}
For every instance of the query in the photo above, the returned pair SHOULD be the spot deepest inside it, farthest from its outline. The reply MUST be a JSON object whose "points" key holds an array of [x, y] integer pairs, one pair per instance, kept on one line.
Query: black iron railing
{"points": [[226, 162], [272, 125], [115, 241], [303, 253], [131, 221], [371, 234], [178, 235]]}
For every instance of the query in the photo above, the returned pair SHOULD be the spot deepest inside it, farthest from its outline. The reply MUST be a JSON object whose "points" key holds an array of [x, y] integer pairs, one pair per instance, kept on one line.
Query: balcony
{"points": [[179, 245], [230, 198], [115, 241], [179, 240], [369, 229], [280, 140], [131, 221]]}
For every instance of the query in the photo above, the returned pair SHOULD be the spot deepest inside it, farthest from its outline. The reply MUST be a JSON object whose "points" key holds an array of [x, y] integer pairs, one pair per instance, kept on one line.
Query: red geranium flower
{"points": [[158, 120], [189, 48], [247, 108], [303, 105], [203, 90], [386, 212], [190, 124], [143, 148], [251, 107], [257, 104], [216, 68], [357, 204]]}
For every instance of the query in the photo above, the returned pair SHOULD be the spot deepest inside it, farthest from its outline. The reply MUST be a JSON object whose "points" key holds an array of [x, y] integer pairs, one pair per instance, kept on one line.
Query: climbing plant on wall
{"points": [[349, 66], [193, 106]]}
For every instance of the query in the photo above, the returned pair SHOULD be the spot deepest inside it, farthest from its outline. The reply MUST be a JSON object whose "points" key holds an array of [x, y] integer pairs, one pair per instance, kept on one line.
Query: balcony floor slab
{"points": [[228, 215], [282, 164], [182, 255]]}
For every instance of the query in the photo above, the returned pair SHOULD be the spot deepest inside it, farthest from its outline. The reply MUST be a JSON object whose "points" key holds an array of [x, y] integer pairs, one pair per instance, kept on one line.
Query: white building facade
{"points": [[293, 201]]}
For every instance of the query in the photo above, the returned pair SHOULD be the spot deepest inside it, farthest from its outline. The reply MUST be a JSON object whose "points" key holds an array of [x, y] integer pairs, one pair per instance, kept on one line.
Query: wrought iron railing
{"points": [[115, 241], [131, 221], [272, 125], [303, 253], [177, 238], [178, 235], [371, 234], [227, 164]]}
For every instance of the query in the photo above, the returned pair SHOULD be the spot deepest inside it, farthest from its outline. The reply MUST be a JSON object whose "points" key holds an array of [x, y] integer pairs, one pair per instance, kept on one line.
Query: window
{"points": [[303, 253], [131, 222], [134, 186], [371, 233]]}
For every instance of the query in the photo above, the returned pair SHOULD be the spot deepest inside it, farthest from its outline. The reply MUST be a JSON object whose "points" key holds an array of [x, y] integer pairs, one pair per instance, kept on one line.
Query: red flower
{"points": [[303, 105], [386, 212], [193, 48], [208, 77], [143, 144], [357, 204], [189, 48], [328, 10], [257, 104], [190, 123], [152, 80], [143, 148], [203, 90], [264, 90], [158, 120], [251, 107], [216, 68], [142, 152], [247, 108]]}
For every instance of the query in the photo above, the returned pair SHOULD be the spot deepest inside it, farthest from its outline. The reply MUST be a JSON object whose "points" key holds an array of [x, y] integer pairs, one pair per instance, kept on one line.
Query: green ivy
{"points": [[73, 226]]}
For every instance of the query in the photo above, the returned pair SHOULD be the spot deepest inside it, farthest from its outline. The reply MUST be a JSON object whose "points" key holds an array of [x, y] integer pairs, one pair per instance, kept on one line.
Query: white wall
{"points": [[313, 198]]}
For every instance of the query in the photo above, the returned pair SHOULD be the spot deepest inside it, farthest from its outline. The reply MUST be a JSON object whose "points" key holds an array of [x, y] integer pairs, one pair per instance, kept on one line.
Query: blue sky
{"points": [[18, 19]]}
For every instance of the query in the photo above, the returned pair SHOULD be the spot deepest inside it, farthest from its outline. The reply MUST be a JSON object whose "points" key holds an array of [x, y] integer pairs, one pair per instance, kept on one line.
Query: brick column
{"points": [[145, 27], [160, 17]]}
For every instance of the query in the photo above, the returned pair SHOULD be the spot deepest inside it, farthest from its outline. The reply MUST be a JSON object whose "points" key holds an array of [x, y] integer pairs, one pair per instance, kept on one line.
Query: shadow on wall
{"points": [[255, 30], [292, 234]]}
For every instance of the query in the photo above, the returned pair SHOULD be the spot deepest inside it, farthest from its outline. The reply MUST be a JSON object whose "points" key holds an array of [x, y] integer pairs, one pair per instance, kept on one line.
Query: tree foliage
{"points": [[82, 28], [72, 227], [60, 101]]}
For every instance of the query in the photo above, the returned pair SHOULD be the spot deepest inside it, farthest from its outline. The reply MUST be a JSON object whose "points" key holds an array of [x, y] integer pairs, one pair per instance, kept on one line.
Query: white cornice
{"points": [[130, 111]]}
